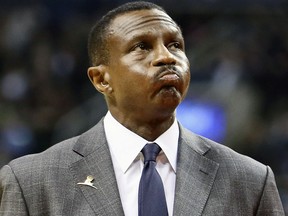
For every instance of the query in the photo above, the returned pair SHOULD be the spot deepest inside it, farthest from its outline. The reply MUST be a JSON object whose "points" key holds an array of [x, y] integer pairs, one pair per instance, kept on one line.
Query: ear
{"points": [[99, 77]]}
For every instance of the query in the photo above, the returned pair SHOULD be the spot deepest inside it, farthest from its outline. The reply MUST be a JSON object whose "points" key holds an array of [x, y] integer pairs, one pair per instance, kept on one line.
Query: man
{"points": [[139, 64]]}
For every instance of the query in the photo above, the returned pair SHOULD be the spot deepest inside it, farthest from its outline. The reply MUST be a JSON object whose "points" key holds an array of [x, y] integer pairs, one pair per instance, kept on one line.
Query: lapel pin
{"points": [[88, 182]]}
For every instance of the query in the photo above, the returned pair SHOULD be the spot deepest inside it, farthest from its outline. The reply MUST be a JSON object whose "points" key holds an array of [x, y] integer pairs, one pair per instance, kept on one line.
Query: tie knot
{"points": [[150, 152]]}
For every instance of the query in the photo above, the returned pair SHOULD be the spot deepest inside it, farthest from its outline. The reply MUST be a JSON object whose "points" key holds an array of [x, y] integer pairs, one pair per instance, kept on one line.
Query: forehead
{"points": [[141, 20]]}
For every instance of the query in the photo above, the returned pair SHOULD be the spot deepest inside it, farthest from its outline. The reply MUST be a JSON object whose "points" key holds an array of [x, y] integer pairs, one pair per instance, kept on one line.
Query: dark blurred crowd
{"points": [[238, 55]]}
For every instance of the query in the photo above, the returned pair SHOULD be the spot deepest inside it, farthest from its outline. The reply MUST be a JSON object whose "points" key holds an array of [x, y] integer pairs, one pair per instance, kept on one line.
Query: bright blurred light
{"points": [[203, 118]]}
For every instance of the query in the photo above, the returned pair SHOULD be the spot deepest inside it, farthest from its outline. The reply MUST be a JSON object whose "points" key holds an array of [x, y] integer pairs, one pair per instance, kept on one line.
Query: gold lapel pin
{"points": [[88, 182]]}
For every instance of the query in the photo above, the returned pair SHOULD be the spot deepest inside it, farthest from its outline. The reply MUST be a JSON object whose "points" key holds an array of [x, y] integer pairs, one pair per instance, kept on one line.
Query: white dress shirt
{"points": [[125, 147]]}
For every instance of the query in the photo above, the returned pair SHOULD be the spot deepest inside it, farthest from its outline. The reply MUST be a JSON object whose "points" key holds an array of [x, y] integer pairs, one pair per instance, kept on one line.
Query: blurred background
{"points": [[238, 94]]}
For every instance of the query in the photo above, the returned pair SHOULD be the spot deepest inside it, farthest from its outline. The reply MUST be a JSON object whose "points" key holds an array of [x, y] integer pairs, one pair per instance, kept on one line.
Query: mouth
{"points": [[168, 73], [169, 76], [168, 80]]}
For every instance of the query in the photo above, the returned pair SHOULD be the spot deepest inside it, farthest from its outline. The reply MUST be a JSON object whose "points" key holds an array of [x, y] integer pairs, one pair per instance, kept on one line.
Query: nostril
{"points": [[159, 64]]}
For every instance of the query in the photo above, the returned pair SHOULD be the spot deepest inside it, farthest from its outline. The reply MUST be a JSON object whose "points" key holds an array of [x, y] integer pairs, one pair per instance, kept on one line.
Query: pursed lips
{"points": [[168, 75], [168, 79]]}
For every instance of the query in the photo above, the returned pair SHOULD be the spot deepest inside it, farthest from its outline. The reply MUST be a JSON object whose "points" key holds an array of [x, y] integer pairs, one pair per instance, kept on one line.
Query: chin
{"points": [[170, 104], [168, 99]]}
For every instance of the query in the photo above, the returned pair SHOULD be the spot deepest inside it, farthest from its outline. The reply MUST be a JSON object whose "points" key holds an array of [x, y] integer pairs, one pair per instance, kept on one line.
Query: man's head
{"points": [[97, 44], [144, 74]]}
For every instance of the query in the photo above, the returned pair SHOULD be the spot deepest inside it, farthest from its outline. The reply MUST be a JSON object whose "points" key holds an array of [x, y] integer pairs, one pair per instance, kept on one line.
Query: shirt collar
{"points": [[125, 145]]}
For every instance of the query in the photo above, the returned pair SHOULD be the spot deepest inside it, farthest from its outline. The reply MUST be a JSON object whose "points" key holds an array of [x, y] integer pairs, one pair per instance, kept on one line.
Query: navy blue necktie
{"points": [[151, 197]]}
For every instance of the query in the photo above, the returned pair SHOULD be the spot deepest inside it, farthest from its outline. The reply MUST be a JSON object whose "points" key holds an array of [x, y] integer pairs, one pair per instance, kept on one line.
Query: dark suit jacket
{"points": [[211, 180]]}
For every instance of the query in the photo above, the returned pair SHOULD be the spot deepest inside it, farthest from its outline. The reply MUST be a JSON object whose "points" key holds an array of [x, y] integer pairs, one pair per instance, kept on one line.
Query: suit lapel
{"points": [[195, 175], [104, 197]]}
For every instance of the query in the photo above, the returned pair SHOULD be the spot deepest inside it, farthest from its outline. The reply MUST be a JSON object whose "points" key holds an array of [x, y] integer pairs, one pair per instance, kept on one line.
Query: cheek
{"points": [[186, 76], [187, 83], [186, 68]]}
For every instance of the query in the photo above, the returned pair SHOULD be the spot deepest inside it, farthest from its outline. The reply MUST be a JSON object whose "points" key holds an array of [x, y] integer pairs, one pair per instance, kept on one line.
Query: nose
{"points": [[163, 56]]}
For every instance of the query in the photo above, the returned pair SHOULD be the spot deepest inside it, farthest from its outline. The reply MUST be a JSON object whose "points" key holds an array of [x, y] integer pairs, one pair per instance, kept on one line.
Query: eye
{"points": [[140, 46], [175, 46]]}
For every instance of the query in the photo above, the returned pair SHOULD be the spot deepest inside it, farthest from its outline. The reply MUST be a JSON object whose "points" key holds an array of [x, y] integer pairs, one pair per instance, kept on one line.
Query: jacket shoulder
{"points": [[229, 160], [57, 155]]}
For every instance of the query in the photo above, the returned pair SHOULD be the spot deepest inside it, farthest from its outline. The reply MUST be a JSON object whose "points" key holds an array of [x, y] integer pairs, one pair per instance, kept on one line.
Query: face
{"points": [[148, 72]]}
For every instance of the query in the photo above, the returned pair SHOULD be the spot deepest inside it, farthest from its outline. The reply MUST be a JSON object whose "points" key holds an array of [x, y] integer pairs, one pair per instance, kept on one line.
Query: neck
{"points": [[149, 129]]}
